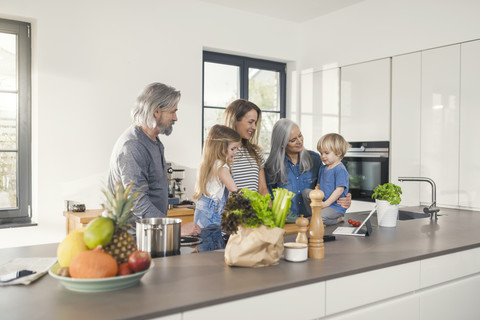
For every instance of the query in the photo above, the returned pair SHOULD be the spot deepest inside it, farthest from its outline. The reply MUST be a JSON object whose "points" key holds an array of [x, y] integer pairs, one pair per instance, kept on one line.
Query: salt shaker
{"points": [[302, 224]]}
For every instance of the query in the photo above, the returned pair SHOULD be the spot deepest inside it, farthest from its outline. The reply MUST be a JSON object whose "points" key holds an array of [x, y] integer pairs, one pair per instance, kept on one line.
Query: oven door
{"points": [[366, 171]]}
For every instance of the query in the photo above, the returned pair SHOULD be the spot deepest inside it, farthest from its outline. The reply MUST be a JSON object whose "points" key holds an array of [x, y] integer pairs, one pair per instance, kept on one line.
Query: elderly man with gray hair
{"points": [[138, 154]]}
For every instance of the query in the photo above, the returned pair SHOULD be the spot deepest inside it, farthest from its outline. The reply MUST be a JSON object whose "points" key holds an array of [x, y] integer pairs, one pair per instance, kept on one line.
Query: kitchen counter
{"points": [[77, 220], [187, 282]]}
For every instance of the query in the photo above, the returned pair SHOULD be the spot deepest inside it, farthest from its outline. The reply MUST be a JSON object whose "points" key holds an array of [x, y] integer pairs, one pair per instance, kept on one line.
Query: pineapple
{"points": [[118, 205]]}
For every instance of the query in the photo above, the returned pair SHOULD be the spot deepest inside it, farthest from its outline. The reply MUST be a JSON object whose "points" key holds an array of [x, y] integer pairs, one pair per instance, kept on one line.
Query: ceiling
{"points": [[291, 10]]}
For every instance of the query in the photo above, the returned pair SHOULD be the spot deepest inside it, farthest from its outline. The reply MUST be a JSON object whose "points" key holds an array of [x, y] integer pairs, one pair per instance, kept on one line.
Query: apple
{"points": [[139, 261], [124, 269]]}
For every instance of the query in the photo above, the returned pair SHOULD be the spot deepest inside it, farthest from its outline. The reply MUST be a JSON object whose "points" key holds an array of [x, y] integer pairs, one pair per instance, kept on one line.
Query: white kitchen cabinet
{"points": [[400, 308], [452, 300], [365, 101], [449, 267], [305, 302], [440, 123], [406, 108], [319, 112], [469, 180], [368, 287]]}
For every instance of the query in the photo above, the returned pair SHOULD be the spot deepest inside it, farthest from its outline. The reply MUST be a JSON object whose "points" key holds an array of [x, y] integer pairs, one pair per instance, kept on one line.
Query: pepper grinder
{"points": [[302, 224], [316, 249]]}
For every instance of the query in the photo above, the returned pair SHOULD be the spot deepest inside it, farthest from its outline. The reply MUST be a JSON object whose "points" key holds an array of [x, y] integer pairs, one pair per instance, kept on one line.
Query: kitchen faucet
{"points": [[432, 209]]}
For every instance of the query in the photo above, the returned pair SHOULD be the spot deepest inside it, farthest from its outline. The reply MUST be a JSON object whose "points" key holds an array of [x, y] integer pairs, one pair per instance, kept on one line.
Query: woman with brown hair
{"points": [[248, 166]]}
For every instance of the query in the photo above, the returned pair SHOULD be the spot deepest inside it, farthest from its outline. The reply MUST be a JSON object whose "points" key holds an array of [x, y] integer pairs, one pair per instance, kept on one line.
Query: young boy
{"points": [[332, 176]]}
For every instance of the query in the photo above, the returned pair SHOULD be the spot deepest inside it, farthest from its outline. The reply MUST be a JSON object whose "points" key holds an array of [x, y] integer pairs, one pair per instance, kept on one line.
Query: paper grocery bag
{"points": [[254, 247]]}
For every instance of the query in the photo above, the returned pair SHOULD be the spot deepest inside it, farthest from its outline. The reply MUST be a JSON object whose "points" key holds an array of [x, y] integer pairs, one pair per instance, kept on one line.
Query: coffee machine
{"points": [[176, 190]]}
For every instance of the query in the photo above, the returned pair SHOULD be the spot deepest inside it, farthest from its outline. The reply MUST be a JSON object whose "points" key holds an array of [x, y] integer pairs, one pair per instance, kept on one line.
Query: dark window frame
{"points": [[244, 63], [21, 215]]}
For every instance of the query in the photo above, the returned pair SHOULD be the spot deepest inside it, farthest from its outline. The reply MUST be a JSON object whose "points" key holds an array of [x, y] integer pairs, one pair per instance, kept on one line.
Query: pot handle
{"points": [[153, 227], [149, 230]]}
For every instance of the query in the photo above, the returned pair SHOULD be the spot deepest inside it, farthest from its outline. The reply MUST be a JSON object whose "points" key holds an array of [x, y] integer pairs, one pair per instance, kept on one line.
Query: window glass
{"points": [[211, 117], [8, 121], [268, 121], [221, 84], [8, 61], [263, 88], [229, 77], [8, 180]]}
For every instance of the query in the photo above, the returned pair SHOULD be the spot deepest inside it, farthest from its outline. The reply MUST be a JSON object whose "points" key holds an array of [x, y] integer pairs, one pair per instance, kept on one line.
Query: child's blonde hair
{"points": [[215, 149], [335, 143]]}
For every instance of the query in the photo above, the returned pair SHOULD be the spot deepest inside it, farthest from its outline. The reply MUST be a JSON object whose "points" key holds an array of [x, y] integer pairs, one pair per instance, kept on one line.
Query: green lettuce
{"points": [[251, 209]]}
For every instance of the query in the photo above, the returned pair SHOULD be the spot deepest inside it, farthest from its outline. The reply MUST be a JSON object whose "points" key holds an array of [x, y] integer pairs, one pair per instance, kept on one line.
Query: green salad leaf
{"points": [[261, 206], [251, 209]]}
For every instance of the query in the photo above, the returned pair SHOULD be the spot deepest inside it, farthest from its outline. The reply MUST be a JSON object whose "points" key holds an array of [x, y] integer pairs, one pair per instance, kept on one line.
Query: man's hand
{"points": [[190, 229], [345, 202]]}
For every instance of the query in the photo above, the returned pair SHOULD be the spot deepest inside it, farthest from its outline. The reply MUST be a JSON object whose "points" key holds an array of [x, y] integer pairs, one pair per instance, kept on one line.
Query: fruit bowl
{"points": [[98, 285]]}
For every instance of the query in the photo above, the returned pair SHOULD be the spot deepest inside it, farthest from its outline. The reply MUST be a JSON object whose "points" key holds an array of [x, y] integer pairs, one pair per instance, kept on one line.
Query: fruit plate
{"points": [[98, 285]]}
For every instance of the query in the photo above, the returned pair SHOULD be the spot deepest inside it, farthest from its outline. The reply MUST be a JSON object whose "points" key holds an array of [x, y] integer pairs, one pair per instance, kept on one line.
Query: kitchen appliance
{"points": [[367, 164], [176, 190]]}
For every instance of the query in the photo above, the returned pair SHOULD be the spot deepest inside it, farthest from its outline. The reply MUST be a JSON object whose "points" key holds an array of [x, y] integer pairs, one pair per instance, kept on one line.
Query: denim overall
{"points": [[208, 214]]}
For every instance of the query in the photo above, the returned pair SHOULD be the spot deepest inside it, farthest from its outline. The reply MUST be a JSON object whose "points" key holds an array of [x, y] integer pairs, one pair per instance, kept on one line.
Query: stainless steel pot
{"points": [[159, 236]]}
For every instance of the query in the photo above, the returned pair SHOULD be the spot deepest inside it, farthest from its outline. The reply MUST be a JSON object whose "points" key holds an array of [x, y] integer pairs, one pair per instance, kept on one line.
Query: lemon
{"points": [[72, 245], [99, 231]]}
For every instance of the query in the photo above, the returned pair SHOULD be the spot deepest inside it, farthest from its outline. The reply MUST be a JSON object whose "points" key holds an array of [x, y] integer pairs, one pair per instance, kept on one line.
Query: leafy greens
{"points": [[250, 208]]}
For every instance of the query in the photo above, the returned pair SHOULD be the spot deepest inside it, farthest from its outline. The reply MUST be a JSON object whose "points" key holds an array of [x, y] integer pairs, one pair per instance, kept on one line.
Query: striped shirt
{"points": [[245, 169]]}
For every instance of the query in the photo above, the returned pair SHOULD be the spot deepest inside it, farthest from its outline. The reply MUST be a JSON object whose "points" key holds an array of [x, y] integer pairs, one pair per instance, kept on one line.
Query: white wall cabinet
{"points": [[365, 101], [406, 107], [469, 180], [440, 123]]}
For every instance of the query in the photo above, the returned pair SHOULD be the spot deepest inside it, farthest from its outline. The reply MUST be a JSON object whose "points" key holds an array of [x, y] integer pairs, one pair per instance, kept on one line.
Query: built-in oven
{"points": [[367, 166]]}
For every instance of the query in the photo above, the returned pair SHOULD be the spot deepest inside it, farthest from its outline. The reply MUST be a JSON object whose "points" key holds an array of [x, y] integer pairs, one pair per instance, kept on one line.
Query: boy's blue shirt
{"points": [[331, 179]]}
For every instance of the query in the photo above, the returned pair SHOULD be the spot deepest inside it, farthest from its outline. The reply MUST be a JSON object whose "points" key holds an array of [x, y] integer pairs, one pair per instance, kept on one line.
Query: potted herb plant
{"points": [[387, 197]]}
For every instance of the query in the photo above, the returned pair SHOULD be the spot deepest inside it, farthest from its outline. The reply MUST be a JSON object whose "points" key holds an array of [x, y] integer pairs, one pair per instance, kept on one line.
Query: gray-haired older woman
{"points": [[138, 155], [291, 167]]}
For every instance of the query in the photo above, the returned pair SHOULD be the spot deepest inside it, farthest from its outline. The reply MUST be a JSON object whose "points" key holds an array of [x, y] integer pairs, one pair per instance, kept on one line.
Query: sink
{"points": [[409, 215]]}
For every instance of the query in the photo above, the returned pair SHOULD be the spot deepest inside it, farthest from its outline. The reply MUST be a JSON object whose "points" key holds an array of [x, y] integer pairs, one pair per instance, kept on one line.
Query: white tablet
{"points": [[359, 231]]}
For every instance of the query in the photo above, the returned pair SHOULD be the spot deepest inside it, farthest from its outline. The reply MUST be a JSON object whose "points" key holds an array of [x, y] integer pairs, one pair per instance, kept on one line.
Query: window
{"points": [[229, 77], [15, 124]]}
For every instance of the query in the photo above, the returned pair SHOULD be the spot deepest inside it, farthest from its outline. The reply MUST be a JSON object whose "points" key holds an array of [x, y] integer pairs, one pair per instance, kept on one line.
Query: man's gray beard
{"points": [[165, 129]]}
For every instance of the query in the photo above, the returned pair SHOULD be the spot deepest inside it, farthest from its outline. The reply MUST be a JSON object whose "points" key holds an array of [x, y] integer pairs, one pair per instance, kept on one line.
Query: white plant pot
{"points": [[387, 213]]}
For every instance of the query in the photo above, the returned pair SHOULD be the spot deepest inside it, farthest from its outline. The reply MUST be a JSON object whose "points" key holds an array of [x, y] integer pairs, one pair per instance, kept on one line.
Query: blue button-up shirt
{"points": [[297, 182]]}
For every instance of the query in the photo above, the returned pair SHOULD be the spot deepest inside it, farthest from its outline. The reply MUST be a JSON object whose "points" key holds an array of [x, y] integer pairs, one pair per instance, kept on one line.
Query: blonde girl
{"points": [[332, 176], [214, 175]]}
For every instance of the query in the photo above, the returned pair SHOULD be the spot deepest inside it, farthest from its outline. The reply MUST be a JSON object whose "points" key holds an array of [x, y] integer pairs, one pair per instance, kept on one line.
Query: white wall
{"points": [[375, 29], [91, 59]]}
